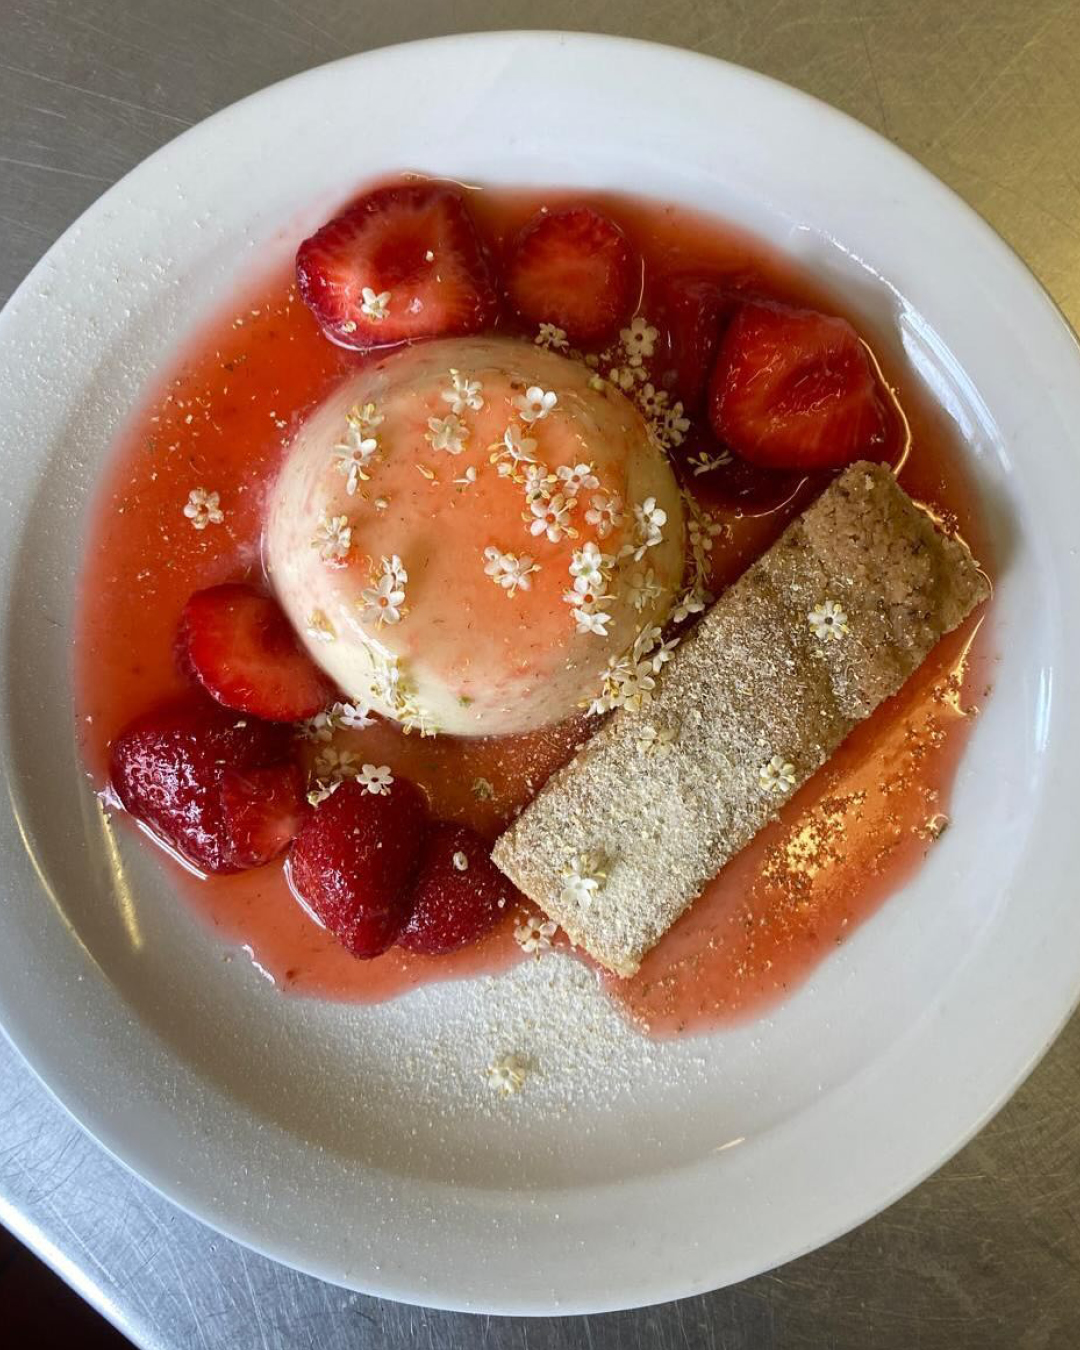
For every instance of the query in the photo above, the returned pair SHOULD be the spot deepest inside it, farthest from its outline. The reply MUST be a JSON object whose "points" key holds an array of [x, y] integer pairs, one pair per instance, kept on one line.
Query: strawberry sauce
{"points": [[221, 420]]}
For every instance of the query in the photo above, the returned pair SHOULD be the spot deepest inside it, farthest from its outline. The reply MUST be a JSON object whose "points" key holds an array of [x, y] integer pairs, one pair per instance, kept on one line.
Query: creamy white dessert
{"points": [[467, 530]]}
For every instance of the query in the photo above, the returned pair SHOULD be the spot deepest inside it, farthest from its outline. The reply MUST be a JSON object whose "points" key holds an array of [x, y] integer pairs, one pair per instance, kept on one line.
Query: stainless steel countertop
{"points": [[987, 1252]]}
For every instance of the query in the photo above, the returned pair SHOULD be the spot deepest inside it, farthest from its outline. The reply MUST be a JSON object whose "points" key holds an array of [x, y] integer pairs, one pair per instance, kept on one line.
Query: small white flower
{"points": [[589, 568], [508, 570], [552, 337], [828, 622], [675, 424], [583, 876], [622, 377], [649, 520], [467, 478], [639, 340], [319, 627], [535, 403], [204, 508], [551, 518], [605, 513], [705, 463], [776, 775], [375, 306], [535, 934], [662, 654], [644, 589], [464, 394], [353, 716], [335, 765], [589, 619], [383, 601], [656, 742], [538, 483], [460, 861], [447, 433], [577, 478], [506, 1075], [333, 538], [692, 601], [318, 728], [377, 779], [702, 530], [652, 401], [321, 790], [520, 448]]}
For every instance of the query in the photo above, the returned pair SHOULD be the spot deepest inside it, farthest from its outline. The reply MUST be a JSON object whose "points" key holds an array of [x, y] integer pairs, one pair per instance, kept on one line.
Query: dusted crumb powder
{"points": [[828, 623]]}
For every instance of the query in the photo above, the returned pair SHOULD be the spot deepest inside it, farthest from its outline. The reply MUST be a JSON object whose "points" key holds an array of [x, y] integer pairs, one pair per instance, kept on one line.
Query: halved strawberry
{"points": [[794, 389], [403, 262], [689, 311], [168, 768], [574, 268], [241, 647], [354, 858], [458, 894], [262, 809]]}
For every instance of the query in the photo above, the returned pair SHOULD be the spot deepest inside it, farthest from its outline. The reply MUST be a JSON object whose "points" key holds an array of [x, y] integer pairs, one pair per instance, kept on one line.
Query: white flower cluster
{"points": [[630, 679], [588, 596], [384, 600], [583, 877], [509, 570], [356, 449]]}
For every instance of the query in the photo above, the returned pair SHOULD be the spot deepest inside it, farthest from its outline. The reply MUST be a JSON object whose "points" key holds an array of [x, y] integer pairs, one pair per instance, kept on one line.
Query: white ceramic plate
{"points": [[362, 1144]]}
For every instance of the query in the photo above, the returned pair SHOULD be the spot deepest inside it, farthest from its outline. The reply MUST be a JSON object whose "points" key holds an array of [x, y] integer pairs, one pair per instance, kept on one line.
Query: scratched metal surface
{"points": [[985, 1254]]}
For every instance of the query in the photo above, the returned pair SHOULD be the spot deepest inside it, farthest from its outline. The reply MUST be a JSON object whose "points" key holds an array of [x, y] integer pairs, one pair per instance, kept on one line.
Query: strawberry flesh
{"points": [[794, 389], [168, 768], [416, 241], [455, 905], [689, 313], [354, 859], [574, 268], [239, 645], [262, 810]]}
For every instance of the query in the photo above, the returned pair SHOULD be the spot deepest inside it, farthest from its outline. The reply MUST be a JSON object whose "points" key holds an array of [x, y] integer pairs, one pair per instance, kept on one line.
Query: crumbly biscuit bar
{"points": [[828, 623]]}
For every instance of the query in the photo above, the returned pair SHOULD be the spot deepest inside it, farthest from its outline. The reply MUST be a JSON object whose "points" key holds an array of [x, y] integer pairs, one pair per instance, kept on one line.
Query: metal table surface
{"points": [[987, 1252]]}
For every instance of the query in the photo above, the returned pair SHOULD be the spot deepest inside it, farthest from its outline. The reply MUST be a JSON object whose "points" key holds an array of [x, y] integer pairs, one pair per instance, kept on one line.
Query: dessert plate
{"points": [[362, 1143]]}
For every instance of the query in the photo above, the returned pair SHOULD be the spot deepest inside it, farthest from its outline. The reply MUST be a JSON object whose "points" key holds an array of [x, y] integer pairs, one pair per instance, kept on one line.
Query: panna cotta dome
{"points": [[467, 531]]}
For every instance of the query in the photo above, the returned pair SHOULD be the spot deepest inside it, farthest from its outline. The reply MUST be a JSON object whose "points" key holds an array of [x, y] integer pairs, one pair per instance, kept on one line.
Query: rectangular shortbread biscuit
{"points": [[754, 685]]}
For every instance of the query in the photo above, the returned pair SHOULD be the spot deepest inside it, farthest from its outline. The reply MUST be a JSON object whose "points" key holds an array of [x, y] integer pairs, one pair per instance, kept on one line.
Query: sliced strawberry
{"points": [[262, 810], [574, 268], [354, 858], [168, 768], [416, 245], [458, 894], [241, 647], [794, 389], [689, 312]]}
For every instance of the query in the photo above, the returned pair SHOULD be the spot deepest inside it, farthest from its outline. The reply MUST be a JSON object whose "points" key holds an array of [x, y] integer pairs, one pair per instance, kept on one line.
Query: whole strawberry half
{"points": [[458, 893], [401, 263], [354, 859], [574, 268], [794, 389], [179, 770], [240, 646]]}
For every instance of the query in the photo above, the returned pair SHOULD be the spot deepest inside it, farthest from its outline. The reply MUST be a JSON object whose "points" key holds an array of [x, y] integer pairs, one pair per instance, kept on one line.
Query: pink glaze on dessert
{"points": [[409, 543]]}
